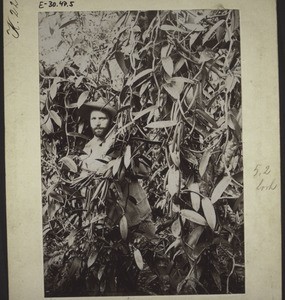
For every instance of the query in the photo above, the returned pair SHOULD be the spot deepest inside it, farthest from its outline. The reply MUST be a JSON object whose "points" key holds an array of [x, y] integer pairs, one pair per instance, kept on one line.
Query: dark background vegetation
{"points": [[176, 79]]}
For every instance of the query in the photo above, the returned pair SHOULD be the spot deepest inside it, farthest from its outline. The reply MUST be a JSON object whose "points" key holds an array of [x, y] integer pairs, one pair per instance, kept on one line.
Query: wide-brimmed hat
{"points": [[100, 104]]}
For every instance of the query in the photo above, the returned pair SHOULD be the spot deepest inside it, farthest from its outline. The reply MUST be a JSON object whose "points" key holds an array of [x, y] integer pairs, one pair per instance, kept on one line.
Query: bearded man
{"points": [[131, 200]]}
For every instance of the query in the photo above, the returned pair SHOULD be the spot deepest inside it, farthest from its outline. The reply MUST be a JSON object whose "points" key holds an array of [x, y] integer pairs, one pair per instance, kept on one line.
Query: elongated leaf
{"points": [[207, 117], [124, 227], [144, 112], [132, 80], [204, 162], [56, 118], [120, 58], [209, 212], [194, 236], [173, 185], [179, 65], [172, 28], [176, 228], [193, 216], [175, 156], [175, 244], [127, 156], [53, 89], [91, 259], [78, 81], [195, 198], [167, 64], [71, 238], [138, 258], [212, 30], [98, 190], [220, 188], [193, 38], [194, 27], [60, 67], [161, 124], [144, 87], [67, 23], [47, 125], [233, 124], [56, 196], [166, 50], [217, 278], [69, 163], [79, 135], [116, 165], [82, 98], [101, 272], [230, 83]]}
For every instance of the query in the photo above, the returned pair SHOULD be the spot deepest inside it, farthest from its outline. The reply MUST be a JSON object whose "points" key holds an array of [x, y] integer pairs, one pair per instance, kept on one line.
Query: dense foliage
{"points": [[175, 76]]}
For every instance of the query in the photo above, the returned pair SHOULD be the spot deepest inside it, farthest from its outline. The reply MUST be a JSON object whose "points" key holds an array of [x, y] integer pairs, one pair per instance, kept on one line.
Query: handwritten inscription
{"points": [[13, 20], [44, 4], [265, 181]]}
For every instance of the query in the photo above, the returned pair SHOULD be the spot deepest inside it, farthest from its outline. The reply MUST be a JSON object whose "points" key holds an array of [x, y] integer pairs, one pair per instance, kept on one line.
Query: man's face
{"points": [[99, 122]]}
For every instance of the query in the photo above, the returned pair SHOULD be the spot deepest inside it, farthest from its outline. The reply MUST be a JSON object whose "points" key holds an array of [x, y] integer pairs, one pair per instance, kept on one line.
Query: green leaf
{"points": [[209, 212], [161, 124], [124, 227], [167, 64], [212, 30], [55, 117], [82, 98], [69, 163], [193, 216], [91, 259], [220, 188], [204, 162], [138, 258], [195, 198]]}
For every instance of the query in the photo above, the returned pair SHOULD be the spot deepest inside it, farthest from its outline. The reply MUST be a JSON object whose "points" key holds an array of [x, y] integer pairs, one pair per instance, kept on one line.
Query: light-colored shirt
{"points": [[96, 150]]}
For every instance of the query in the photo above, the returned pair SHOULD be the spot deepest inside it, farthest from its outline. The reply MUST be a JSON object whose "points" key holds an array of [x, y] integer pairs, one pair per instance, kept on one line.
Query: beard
{"points": [[99, 132]]}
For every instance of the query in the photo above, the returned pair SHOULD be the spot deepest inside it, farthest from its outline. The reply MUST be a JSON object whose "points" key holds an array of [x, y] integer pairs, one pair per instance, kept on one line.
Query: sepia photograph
{"points": [[141, 152]]}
